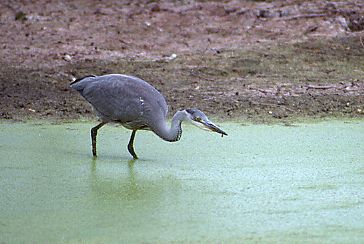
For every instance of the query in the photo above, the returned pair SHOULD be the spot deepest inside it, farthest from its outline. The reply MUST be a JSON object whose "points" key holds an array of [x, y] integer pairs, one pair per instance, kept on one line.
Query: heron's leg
{"points": [[131, 145], [93, 136]]}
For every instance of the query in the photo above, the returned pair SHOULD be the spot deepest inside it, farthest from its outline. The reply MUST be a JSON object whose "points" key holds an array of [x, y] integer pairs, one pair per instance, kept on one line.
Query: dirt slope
{"points": [[255, 60]]}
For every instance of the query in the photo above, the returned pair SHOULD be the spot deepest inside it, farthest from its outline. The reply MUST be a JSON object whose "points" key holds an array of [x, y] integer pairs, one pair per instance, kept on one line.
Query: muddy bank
{"points": [[252, 60]]}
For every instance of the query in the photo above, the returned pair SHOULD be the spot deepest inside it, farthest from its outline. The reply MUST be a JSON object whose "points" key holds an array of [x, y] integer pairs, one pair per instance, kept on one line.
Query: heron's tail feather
{"points": [[79, 79], [81, 83]]}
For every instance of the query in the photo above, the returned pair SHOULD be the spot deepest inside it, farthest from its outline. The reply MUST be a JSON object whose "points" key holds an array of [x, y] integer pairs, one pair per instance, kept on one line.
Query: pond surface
{"points": [[262, 183]]}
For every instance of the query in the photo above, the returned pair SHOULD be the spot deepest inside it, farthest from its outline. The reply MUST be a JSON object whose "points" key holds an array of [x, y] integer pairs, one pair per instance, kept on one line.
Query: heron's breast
{"points": [[135, 125]]}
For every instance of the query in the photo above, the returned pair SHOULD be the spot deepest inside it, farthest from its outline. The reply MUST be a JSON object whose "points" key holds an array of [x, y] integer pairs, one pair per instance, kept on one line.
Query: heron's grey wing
{"points": [[154, 104], [113, 99], [123, 98]]}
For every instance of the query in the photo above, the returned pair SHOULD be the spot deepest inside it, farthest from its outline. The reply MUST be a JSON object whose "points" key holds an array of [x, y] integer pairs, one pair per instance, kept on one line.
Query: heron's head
{"points": [[200, 120]]}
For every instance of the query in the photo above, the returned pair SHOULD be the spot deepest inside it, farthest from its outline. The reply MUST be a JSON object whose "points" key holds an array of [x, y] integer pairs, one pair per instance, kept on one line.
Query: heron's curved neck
{"points": [[171, 133]]}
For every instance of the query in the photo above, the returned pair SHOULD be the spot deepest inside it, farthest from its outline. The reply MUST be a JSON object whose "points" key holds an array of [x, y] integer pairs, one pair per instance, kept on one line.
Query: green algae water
{"points": [[262, 183]]}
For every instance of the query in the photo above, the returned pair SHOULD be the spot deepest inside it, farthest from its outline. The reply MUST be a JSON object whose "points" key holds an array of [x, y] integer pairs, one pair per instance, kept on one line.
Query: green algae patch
{"points": [[262, 183]]}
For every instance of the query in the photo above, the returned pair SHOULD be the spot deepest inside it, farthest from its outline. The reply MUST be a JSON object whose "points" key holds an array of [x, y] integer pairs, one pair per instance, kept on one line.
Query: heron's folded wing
{"points": [[113, 101]]}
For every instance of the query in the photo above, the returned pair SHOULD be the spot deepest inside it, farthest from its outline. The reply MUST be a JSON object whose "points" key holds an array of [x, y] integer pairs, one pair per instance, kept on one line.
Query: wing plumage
{"points": [[123, 98]]}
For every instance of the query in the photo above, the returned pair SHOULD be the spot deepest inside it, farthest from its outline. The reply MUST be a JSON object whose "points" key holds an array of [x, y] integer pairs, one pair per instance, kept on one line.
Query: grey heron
{"points": [[136, 105]]}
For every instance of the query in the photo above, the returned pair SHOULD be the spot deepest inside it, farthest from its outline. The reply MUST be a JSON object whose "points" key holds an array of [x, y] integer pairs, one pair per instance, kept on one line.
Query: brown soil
{"points": [[257, 60]]}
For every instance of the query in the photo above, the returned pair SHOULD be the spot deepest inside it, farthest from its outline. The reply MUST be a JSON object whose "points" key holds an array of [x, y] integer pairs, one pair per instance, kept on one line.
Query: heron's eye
{"points": [[198, 119]]}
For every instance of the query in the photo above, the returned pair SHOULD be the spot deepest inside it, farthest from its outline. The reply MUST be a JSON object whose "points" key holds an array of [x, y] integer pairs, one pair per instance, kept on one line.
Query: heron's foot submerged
{"points": [[94, 135], [131, 145], [94, 151], [132, 152]]}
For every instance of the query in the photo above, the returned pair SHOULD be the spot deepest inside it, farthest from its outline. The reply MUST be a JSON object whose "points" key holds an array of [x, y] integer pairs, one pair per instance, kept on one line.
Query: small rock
{"points": [[342, 21], [173, 56], [67, 57]]}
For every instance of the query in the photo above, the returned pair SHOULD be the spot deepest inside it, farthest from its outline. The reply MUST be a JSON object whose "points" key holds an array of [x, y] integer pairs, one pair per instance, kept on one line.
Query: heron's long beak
{"points": [[208, 125], [211, 126]]}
